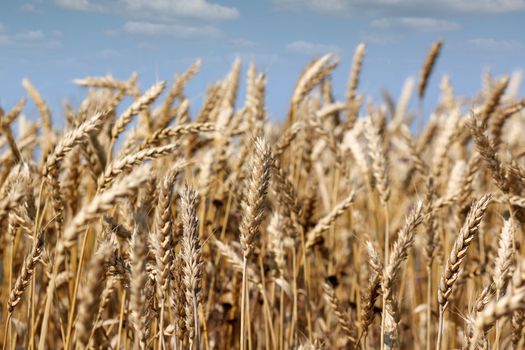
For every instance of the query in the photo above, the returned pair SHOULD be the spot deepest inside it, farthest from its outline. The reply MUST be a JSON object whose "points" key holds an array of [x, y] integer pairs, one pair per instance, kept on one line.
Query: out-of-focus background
{"points": [[52, 42]]}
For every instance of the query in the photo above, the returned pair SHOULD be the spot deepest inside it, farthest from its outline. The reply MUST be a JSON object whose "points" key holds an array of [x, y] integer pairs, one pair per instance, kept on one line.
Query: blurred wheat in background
{"points": [[140, 226]]}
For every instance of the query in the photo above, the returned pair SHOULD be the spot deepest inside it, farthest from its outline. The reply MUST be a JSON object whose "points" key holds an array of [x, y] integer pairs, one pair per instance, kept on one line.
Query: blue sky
{"points": [[52, 42]]}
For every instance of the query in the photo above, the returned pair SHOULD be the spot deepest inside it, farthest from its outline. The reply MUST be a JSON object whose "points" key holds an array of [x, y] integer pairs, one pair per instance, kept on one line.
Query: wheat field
{"points": [[352, 224]]}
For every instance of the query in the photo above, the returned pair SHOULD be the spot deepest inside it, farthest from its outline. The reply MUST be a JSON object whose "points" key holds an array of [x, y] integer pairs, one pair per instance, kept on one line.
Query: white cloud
{"points": [[175, 18], [496, 44], [182, 8], [28, 8], [403, 7], [29, 38], [243, 43], [488, 6], [310, 48], [79, 5], [423, 24], [175, 30], [33, 35], [326, 6], [159, 9]]}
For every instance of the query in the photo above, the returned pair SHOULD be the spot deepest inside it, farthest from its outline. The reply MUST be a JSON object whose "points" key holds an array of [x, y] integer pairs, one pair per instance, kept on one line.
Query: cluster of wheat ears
{"points": [[340, 228]]}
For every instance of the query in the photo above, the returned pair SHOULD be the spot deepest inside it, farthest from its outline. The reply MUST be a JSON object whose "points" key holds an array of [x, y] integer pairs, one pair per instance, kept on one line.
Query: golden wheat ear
{"points": [[191, 255], [428, 66]]}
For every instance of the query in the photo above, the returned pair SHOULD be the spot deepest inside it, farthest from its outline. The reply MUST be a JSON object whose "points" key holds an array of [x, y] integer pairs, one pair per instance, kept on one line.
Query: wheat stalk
{"points": [[192, 269], [457, 255], [25, 276]]}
